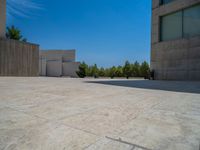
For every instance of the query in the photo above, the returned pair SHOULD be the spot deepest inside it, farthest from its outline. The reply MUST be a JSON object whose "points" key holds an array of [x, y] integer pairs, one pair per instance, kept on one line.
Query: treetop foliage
{"points": [[127, 70], [14, 33]]}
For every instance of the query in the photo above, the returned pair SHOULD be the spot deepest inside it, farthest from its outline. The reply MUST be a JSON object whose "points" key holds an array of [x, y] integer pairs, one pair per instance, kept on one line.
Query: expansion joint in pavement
{"points": [[124, 142]]}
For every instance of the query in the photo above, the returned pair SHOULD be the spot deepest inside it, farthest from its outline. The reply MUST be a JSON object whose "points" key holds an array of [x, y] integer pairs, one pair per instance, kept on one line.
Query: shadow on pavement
{"points": [[174, 86]]}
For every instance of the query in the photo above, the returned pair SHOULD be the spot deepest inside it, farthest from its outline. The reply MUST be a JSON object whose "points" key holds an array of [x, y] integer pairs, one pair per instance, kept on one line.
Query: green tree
{"points": [[102, 72], [112, 72], [82, 70], [94, 71], [136, 69], [107, 72], [14, 33], [89, 71], [145, 70], [119, 71], [127, 69]]}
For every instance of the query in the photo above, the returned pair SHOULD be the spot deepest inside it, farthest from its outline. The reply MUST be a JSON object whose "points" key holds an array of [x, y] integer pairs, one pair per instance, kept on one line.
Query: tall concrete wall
{"points": [[2, 18], [176, 59], [18, 58]]}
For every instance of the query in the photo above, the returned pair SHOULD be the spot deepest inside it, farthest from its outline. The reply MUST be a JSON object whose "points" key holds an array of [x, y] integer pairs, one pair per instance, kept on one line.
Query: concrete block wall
{"points": [[176, 59], [18, 58]]}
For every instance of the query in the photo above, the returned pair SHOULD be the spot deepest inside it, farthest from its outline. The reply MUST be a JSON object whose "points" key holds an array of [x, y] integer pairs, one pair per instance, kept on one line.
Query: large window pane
{"points": [[191, 22], [166, 1], [171, 26]]}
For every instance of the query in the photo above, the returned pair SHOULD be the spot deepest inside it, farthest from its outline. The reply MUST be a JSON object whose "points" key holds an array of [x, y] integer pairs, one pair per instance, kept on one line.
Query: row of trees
{"points": [[127, 70]]}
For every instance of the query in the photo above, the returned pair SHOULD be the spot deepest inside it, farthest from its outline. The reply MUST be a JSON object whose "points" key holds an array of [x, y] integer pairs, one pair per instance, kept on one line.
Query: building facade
{"points": [[57, 63], [175, 44]]}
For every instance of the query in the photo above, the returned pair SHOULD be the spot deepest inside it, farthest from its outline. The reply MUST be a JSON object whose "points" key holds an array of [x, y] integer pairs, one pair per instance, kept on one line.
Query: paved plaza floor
{"points": [[74, 114]]}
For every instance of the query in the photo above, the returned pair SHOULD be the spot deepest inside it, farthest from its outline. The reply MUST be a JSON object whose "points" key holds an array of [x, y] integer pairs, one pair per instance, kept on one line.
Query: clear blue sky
{"points": [[105, 32]]}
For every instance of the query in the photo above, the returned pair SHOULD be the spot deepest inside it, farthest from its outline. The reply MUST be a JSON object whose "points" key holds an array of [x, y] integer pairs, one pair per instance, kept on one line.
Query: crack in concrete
{"points": [[124, 142]]}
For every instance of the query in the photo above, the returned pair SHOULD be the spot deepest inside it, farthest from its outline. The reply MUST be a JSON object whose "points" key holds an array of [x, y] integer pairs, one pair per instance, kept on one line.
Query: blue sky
{"points": [[105, 32]]}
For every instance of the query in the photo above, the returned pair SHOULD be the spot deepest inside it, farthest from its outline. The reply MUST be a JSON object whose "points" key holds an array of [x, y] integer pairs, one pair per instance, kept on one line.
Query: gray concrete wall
{"points": [[42, 66], [58, 63], [18, 58], [2, 18], [70, 68], [177, 59], [65, 55], [54, 68]]}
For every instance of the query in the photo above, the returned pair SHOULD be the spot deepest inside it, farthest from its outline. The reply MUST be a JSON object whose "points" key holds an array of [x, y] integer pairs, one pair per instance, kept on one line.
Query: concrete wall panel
{"points": [[178, 57], [18, 58], [70, 68], [42, 66], [54, 68], [65, 55]]}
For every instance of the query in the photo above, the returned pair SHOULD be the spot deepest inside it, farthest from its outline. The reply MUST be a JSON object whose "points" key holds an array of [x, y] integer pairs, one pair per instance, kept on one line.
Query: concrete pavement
{"points": [[72, 114]]}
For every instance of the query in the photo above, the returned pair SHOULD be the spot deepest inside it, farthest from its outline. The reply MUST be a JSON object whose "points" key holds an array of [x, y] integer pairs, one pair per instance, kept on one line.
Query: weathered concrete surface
{"points": [[61, 113], [18, 58], [70, 68]]}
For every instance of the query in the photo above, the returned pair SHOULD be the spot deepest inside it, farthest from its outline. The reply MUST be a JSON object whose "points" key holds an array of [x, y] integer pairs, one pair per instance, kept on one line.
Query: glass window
{"points": [[171, 26], [191, 21], [166, 1]]}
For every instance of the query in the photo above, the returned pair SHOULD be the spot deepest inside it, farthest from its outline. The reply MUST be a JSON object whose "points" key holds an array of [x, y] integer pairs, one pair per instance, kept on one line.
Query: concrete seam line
{"points": [[124, 142], [78, 129], [20, 111], [55, 122], [92, 144]]}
